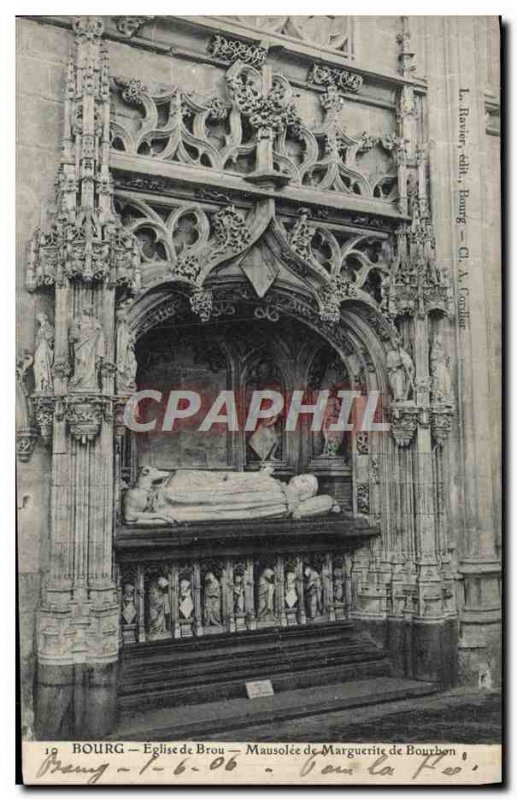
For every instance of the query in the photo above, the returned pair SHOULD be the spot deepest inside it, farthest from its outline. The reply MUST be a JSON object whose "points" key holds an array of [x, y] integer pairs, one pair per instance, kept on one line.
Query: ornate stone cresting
{"points": [[180, 126]]}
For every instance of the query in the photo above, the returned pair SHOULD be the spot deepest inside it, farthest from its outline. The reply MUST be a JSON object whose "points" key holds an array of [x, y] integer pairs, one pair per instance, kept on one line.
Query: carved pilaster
{"points": [[84, 257]]}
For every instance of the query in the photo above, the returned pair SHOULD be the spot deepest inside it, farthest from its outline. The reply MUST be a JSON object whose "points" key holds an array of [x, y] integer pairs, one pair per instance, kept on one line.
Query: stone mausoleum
{"points": [[232, 203]]}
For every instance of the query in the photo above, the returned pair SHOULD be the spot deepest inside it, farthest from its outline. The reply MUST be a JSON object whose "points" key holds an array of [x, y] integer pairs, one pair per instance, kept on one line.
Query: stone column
{"points": [[418, 299], [82, 254]]}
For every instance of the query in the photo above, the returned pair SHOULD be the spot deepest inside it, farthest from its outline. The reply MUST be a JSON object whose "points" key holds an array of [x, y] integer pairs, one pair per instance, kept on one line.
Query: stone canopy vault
{"points": [[258, 186]]}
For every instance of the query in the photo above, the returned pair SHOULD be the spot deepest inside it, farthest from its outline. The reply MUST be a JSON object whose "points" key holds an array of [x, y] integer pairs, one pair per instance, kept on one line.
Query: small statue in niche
{"points": [[125, 349], [441, 384], [333, 438], [128, 612], [313, 592], [87, 342], [212, 600], [291, 591], [238, 593], [158, 609], [338, 592], [43, 355], [266, 594], [412, 194], [186, 604], [401, 373]]}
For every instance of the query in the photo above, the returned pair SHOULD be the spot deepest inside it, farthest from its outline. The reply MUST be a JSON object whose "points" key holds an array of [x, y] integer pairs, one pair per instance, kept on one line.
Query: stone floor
{"points": [[460, 716], [378, 709]]}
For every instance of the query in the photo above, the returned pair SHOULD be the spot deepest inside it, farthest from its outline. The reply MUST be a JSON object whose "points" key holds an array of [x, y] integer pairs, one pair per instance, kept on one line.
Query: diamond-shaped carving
{"points": [[264, 441], [186, 607], [291, 598], [260, 268]]}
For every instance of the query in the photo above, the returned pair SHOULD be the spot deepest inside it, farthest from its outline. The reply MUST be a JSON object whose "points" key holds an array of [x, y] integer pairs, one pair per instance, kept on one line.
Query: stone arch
{"points": [[361, 328], [360, 340]]}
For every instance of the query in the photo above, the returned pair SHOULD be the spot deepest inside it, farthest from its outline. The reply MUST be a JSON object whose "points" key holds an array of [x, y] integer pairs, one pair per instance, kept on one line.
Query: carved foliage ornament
{"points": [[231, 50], [201, 303], [404, 420], [331, 76], [25, 441], [43, 406], [188, 240], [84, 417], [267, 111], [230, 229], [417, 284], [441, 423], [88, 28], [83, 240], [130, 26], [363, 498], [83, 249]]}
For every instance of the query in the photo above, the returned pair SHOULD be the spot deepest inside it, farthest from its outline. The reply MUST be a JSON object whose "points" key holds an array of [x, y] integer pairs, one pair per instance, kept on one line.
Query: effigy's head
{"points": [[305, 486]]}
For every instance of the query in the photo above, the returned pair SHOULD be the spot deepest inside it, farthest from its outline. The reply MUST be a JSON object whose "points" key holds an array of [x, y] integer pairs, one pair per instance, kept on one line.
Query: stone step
{"points": [[243, 640], [200, 670], [170, 695], [262, 664], [206, 721], [222, 660]]}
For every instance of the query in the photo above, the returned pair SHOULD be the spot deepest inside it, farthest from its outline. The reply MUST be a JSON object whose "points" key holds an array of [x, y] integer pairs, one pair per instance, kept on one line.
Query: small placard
{"points": [[259, 689]]}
